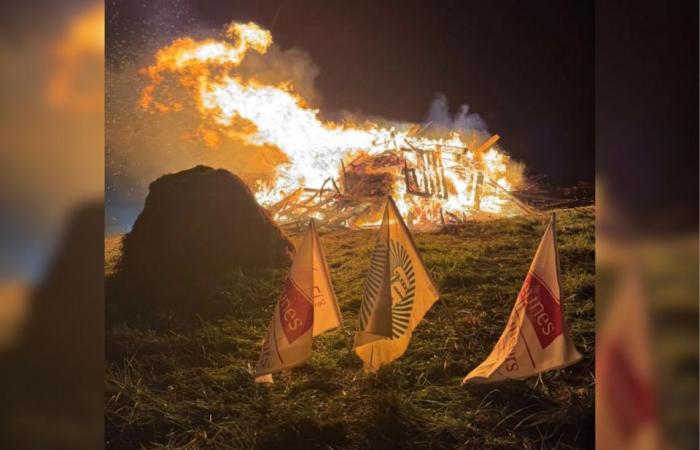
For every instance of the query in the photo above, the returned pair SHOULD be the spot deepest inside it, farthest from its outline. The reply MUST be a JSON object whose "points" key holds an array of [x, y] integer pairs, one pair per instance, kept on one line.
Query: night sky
{"points": [[527, 68]]}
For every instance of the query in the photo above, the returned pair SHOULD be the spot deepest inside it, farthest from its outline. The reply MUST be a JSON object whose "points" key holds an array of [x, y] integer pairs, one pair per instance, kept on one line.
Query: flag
{"points": [[306, 308], [535, 338], [626, 400], [398, 292]]}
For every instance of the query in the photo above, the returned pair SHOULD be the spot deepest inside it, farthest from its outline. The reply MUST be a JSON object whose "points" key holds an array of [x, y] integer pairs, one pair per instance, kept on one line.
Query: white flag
{"points": [[398, 293], [306, 308], [535, 338], [625, 396]]}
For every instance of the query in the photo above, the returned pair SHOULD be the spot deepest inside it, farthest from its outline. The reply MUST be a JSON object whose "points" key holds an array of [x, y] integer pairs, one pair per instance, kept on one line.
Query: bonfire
{"points": [[436, 184], [338, 173]]}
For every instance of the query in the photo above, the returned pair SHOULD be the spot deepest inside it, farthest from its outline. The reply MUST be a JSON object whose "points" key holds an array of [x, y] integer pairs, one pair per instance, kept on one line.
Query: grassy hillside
{"points": [[192, 386]]}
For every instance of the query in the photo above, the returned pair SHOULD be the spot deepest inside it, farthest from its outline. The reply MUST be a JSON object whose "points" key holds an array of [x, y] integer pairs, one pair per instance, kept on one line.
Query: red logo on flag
{"points": [[542, 309], [631, 396], [296, 312]]}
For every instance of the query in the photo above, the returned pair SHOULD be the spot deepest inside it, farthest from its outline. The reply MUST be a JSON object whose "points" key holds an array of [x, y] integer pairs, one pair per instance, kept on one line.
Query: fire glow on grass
{"points": [[275, 115]]}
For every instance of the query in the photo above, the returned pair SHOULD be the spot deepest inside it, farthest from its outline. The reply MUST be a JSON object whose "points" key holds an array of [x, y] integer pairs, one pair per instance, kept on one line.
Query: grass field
{"points": [[191, 386]]}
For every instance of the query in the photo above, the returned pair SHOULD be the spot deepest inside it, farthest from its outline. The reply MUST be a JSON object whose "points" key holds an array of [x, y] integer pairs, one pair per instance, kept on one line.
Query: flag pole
{"points": [[556, 251]]}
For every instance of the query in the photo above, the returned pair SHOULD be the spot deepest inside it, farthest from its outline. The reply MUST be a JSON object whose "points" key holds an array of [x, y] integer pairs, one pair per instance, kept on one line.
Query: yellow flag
{"points": [[398, 292], [306, 308], [535, 338]]}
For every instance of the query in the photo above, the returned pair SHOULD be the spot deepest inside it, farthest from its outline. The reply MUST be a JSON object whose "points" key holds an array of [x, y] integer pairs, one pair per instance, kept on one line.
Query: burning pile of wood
{"points": [[331, 207], [410, 171]]}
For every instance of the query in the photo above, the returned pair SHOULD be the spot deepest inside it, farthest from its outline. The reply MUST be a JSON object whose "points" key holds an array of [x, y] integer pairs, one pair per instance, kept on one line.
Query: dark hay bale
{"points": [[53, 377], [197, 227]]}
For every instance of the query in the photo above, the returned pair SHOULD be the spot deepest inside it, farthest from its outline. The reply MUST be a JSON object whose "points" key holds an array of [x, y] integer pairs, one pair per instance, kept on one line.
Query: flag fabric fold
{"points": [[535, 338], [398, 292], [307, 307]]}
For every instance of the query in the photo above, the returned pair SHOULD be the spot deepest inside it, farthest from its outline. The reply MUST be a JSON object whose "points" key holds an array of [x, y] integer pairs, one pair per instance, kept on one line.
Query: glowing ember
{"points": [[434, 178]]}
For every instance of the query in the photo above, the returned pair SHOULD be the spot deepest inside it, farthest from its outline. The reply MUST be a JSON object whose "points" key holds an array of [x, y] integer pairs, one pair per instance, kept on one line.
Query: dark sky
{"points": [[526, 67], [647, 110]]}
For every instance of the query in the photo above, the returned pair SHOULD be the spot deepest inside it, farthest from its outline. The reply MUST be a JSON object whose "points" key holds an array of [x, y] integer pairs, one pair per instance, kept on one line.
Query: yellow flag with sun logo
{"points": [[398, 292]]}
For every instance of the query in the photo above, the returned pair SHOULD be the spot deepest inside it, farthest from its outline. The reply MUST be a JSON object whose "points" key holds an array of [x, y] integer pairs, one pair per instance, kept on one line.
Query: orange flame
{"points": [[76, 53], [263, 114]]}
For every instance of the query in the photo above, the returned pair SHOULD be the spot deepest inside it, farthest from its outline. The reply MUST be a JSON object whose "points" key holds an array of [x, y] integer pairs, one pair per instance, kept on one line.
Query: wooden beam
{"points": [[488, 143]]}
